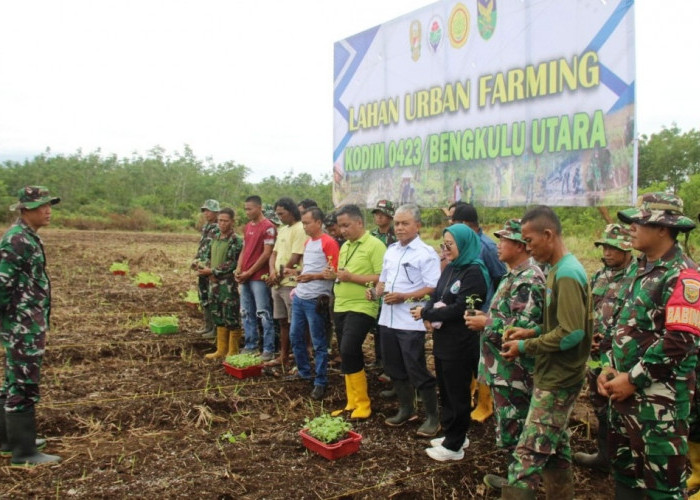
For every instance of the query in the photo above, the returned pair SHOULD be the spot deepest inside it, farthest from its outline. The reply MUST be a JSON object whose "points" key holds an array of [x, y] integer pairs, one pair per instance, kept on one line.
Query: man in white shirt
{"points": [[410, 271]]}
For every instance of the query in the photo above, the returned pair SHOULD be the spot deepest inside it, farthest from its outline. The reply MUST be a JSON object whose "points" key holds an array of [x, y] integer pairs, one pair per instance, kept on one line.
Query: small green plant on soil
{"points": [[244, 360], [161, 321], [327, 429], [146, 277], [119, 266], [233, 438], [424, 298], [191, 296]]}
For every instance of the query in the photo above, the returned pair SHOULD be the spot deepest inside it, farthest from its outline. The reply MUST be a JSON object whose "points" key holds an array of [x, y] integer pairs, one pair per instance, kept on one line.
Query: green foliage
{"points": [[244, 360], [145, 277], [233, 438], [164, 321], [191, 296], [668, 156], [119, 266], [327, 429]]}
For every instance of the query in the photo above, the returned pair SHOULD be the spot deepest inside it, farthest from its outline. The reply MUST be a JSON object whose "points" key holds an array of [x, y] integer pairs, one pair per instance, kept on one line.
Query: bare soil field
{"points": [[140, 415]]}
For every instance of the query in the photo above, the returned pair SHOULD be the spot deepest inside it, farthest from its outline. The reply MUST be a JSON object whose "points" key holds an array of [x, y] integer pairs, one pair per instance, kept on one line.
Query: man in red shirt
{"points": [[258, 240]]}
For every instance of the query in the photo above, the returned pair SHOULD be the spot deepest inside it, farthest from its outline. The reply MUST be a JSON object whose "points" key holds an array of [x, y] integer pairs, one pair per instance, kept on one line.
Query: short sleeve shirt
{"points": [[290, 240], [255, 237]]}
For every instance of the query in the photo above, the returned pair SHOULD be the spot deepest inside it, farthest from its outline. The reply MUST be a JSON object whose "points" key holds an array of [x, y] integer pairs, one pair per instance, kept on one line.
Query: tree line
{"points": [[164, 191]]}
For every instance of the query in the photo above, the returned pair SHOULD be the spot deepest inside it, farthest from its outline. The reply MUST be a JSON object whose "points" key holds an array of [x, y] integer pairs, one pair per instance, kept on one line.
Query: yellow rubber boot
{"points": [[351, 398], [484, 407], [362, 404], [472, 389], [234, 337], [221, 343], [694, 459]]}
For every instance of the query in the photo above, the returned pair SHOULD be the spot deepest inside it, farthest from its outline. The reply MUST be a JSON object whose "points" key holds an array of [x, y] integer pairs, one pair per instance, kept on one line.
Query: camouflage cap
{"points": [[512, 230], [386, 207], [616, 236], [31, 197], [660, 209], [331, 219], [211, 205], [269, 212]]}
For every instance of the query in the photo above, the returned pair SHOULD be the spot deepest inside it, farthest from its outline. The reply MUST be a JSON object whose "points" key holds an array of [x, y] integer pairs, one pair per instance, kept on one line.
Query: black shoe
{"points": [[318, 392]]}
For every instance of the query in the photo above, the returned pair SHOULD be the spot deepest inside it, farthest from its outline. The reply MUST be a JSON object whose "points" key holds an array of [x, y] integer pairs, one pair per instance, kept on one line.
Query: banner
{"points": [[501, 103]]}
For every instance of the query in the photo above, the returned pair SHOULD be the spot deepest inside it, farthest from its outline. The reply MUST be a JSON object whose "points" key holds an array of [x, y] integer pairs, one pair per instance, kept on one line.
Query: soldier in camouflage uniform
{"points": [[649, 373], [606, 284], [25, 307], [518, 301], [225, 301], [560, 346], [210, 210]]}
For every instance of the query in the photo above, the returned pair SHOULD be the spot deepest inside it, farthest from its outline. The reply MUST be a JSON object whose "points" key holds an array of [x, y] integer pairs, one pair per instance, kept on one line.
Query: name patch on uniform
{"points": [[683, 309]]}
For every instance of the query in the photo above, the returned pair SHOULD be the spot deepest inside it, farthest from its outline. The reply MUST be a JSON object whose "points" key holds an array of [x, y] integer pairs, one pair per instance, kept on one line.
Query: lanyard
{"points": [[347, 260]]}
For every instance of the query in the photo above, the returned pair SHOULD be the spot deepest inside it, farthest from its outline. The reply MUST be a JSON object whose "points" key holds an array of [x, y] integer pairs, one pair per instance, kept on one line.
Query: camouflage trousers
{"points": [[23, 356], [544, 442], [649, 454], [225, 303], [510, 408], [203, 288]]}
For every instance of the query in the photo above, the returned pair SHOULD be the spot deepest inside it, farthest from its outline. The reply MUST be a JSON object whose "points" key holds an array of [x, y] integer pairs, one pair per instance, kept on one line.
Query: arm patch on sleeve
{"points": [[683, 308]]}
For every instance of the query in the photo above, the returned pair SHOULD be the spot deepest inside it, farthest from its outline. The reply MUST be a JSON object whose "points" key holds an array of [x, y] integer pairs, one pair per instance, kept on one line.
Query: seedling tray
{"points": [[119, 273], [164, 329], [342, 448], [147, 285], [250, 371]]}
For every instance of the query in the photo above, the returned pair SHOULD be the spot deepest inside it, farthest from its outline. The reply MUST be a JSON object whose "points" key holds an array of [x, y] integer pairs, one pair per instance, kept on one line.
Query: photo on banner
{"points": [[487, 101]]}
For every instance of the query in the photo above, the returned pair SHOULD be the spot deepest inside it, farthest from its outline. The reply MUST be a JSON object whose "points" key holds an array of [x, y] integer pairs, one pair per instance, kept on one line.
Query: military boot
{"points": [[514, 493], [598, 461], [21, 433], [558, 483], [208, 331], [5, 450]]}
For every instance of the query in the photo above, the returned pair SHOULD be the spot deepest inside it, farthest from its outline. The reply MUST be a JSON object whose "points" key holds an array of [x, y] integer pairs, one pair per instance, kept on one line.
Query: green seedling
{"points": [[119, 267], [146, 278], [472, 300], [233, 438], [327, 429], [164, 321], [244, 360], [191, 297]]}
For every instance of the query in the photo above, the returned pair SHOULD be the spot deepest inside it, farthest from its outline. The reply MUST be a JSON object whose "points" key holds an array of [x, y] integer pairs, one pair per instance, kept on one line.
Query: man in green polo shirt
{"points": [[359, 264]]}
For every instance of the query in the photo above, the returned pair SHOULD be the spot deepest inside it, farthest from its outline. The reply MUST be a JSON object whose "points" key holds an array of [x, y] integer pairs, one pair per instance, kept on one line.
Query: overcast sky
{"points": [[244, 81]]}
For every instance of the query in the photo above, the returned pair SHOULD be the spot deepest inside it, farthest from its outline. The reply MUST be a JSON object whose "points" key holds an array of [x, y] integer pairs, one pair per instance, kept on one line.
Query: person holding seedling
{"points": [[210, 211], [286, 253], [455, 348], [466, 213], [359, 263], [410, 271], [310, 301], [224, 252], [518, 301], [560, 346], [25, 308], [606, 283]]}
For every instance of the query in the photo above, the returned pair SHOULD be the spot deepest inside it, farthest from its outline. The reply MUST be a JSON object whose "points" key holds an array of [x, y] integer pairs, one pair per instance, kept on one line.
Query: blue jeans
{"points": [[303, 314], [256, 303]]}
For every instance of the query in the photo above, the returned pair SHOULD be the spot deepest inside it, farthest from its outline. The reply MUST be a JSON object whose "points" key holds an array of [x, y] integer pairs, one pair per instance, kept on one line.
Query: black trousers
{"points": [[403, 352], [454, 377], [351, 330]]}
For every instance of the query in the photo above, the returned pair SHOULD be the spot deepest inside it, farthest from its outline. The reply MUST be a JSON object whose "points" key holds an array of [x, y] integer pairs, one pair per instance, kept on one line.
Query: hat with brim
{"points": [[211, 205], [31, 197], [385, 207], [616, 236], [512, 230], [658, 209]]}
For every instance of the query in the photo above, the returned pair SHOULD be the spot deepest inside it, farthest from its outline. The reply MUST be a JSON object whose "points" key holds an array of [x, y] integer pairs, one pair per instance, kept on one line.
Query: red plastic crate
{"points": [[342, 448], [251, 371], [147, 285], [119, 273]]}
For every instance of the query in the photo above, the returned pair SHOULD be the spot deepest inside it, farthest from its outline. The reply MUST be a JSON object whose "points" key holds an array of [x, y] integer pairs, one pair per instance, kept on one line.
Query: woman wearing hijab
{"points": [[455, 348]]}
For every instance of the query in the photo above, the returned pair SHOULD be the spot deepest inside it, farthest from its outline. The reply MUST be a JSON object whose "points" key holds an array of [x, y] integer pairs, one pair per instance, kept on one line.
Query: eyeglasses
{"points": [[446, 246]]}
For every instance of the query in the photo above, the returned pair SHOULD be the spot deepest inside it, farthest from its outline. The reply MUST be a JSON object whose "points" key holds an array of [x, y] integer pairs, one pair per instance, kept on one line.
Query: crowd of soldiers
{"points": [[517, 323]]}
